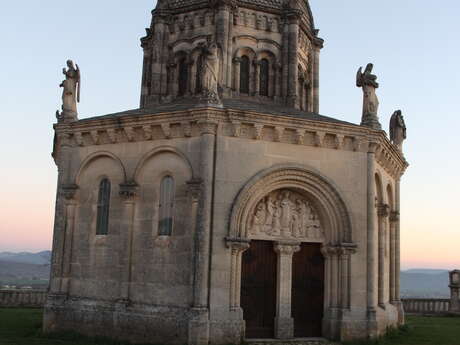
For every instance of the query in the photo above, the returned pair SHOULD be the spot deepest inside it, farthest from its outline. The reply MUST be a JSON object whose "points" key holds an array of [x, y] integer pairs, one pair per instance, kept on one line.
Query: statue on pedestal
{"points": [[398, 132], [368, 82], [210, 74], [70, 92]]}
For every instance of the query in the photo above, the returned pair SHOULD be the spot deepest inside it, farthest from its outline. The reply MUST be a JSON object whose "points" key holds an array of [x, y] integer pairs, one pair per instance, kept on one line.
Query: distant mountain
{"points": [[425, 283], [41, 258]]}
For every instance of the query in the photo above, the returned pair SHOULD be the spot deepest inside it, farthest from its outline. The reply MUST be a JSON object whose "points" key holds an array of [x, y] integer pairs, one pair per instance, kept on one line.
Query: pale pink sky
{"points": [[417, 68]]}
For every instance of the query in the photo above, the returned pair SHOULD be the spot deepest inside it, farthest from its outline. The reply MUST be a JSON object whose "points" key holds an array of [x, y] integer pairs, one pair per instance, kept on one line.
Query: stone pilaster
{"points": [[284, 323], [371, 250], [128, 192]]}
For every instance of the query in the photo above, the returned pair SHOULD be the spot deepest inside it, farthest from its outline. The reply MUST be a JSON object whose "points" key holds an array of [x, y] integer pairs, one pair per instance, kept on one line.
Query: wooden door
{"points": [[258, 289], [308, 291]]}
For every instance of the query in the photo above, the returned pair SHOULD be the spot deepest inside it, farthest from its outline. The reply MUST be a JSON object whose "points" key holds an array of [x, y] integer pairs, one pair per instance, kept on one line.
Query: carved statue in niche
{"points": [[210, 73], [368, 82], [286, 214], [398, 131]]}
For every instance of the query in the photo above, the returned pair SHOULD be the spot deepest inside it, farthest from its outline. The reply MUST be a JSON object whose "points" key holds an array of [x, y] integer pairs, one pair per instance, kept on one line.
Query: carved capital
{"points": [[394, 216], [194, 189], [383, 210], [287, 248], [237, 245], [69, 191], [208, 127], [128, 190]]}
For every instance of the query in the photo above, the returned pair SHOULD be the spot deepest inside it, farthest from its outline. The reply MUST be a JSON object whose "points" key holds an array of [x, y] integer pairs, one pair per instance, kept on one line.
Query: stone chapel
{"points": [[226, 208]]}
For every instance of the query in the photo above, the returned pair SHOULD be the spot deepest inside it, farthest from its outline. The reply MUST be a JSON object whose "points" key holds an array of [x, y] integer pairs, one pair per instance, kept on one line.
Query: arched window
{"points": [[264, 77], [244, 74], [183, 76], [199, 68], [103, 206], [167, 191]]}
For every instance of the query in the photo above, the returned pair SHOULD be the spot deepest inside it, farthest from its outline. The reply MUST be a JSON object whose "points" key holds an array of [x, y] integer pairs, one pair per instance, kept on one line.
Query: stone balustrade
{"points": [[22, 298], [426, 305]]}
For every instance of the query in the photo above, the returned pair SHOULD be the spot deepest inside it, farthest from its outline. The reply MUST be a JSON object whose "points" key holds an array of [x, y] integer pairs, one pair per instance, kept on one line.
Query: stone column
{"points": [[128, 191], [284, 323], [63, 163], [394, 219], [454, 292], [317, 49], [293, 63], [69, 192], [383, 213], [237, 71], [371, 250]]}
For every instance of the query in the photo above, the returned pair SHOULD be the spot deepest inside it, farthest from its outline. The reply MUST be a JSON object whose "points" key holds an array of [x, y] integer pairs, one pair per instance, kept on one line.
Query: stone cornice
{"points": [[235, 123]]}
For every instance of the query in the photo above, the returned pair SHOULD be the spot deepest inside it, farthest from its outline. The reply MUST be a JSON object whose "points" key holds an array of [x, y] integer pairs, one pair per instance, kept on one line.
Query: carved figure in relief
{"points": [[210, 73], [276, 227], [71, 88], [259, 219], [398, 131], [368, 82]]}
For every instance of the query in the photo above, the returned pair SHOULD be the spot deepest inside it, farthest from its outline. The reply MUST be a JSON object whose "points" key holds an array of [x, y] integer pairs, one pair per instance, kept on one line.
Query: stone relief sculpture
{"points": [[210, 74], [71, 91], [398, 131], [368, 82], [286, 214]]}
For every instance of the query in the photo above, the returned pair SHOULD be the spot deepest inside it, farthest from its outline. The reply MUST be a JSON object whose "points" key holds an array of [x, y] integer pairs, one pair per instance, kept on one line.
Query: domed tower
{"points": [[268, 51], [225, 209]]}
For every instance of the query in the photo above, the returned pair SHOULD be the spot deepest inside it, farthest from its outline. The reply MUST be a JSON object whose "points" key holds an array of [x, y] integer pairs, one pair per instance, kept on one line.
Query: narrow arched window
{"points": [[264, 77], [244, 74], [103, 206], [166, 206], [199, 68], [183, 76]]}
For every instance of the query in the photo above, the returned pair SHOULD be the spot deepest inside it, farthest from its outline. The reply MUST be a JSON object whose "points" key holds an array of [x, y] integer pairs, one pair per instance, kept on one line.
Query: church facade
{"points": [[226, 208]]}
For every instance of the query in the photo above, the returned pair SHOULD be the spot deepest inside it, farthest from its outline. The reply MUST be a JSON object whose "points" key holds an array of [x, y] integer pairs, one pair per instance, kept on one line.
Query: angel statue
{"points": [[368, 82], [210, 73], [398, 132], [71, 90]]}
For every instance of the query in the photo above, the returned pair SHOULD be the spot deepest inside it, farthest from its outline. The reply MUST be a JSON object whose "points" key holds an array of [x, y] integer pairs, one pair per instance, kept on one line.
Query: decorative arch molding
{"points": [[159, 150], [88, 160], [321, 191]]}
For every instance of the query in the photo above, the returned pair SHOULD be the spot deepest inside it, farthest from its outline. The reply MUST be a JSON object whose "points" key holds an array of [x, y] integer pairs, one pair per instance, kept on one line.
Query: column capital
{"points": [[194, 188], [128, 190], [287, 247], [383, 210], [69, 190]]}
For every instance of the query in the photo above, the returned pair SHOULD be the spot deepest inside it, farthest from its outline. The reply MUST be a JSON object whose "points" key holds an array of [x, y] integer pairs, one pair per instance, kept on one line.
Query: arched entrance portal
{"points": [[290, 230]]}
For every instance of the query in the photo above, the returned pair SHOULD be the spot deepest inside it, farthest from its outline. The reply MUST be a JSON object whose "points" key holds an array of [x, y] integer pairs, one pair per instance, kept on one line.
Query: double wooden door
{"points": [[258, 289], [308, 291]]}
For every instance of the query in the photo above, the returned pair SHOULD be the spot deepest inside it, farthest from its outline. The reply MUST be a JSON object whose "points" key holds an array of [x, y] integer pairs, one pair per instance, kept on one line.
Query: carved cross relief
{"points": [[284, 214]]}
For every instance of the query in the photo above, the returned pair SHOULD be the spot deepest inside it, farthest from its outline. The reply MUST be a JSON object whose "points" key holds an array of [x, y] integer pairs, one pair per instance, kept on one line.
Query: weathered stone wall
{"points": [[26, 299]]}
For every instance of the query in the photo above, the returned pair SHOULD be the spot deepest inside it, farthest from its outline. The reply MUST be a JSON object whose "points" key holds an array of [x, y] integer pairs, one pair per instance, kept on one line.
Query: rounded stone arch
{"points": [[323, 194], [157, 151], [92, 157]]}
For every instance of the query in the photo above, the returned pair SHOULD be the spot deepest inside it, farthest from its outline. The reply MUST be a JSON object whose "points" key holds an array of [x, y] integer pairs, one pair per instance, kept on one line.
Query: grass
{"points": [[23, 327]]}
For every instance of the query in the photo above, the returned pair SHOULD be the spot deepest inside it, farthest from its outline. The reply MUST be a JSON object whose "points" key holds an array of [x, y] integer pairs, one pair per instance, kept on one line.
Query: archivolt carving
{"points": [[329, 217], [285, 214]]}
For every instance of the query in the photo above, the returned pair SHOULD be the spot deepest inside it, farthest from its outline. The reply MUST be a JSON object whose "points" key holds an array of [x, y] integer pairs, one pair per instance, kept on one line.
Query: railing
{"points": [[426, 305], [22, 298]]}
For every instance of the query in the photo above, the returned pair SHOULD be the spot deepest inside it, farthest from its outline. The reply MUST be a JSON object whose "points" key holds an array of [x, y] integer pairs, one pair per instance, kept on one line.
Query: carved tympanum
{"points": [[286, 214]]}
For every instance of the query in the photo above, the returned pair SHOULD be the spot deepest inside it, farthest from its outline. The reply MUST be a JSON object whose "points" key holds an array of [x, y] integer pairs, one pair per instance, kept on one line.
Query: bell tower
{"points": [[268, 52]]}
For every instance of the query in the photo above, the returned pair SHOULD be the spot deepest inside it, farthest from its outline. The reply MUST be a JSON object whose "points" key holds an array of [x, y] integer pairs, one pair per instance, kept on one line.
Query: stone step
{"points": [[299, 341]]}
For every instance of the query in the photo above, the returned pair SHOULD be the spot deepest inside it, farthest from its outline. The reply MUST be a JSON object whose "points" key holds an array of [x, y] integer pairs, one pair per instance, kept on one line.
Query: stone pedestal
{"points": [[454, 292]]}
